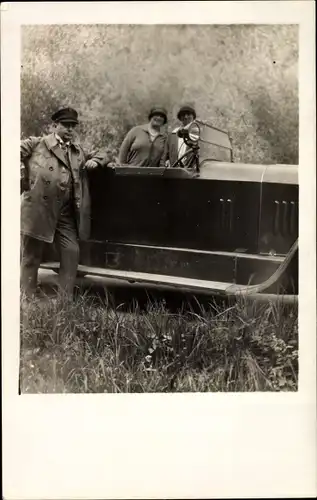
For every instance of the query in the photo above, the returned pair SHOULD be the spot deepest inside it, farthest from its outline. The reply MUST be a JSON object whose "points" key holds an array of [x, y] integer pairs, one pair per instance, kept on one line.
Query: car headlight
{"points": [[194, 132]]}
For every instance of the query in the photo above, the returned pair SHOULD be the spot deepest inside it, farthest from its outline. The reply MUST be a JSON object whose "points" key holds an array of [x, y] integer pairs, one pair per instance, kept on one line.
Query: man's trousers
{"points": [[66, 244]]}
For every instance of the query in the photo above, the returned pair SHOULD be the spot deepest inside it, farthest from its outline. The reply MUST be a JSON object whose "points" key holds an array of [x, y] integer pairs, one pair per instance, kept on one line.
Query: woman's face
{"points": [[157, 121], [186, 118]]}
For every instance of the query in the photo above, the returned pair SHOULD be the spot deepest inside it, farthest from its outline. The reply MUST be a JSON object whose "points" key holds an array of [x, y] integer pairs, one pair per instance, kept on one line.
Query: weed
{"points": [[88, 347]]}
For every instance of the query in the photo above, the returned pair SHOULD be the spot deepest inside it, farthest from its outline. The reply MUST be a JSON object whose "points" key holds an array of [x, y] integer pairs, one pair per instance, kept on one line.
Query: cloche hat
{"points": [[157, 110], [186, 109]]}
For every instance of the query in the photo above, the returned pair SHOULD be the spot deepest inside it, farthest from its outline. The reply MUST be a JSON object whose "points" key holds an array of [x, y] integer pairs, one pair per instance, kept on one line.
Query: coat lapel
{"points": [[60, 154], [73, 158], [52, 145]]}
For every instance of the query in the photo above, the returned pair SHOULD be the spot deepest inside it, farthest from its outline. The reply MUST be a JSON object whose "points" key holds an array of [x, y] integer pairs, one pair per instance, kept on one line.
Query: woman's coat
{"points": [[137, 149]]}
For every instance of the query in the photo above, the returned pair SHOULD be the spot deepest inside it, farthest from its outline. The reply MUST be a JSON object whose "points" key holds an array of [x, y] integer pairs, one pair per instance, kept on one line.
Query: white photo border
{"points": [[213, 445]]}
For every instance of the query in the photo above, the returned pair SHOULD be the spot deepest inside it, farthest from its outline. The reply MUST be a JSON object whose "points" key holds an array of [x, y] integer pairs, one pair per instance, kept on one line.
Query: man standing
{"points": [[55, 203], [175, 146]]}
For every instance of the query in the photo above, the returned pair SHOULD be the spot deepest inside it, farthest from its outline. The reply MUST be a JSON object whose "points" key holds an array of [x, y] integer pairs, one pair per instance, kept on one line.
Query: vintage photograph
{"points": [[159, 208]]}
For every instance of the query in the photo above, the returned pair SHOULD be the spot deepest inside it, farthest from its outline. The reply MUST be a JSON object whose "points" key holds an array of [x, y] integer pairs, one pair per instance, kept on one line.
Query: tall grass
{"points": [[88, 347]]}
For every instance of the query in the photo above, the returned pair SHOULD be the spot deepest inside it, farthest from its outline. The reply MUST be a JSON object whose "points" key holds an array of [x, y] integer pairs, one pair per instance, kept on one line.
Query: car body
{"points": [[228, 229]]}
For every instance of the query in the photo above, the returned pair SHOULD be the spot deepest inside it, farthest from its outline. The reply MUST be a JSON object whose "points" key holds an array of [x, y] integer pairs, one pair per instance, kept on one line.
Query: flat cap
{"points": [[69, 115], [186, 109], [158, 110]]}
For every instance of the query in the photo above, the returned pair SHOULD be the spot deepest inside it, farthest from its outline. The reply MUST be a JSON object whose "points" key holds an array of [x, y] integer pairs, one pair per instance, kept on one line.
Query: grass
{"points": [[89, 347]]}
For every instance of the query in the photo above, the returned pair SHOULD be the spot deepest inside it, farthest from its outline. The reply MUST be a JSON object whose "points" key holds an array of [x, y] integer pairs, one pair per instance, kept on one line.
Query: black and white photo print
{"points": [[158, 276], [159, 212]]}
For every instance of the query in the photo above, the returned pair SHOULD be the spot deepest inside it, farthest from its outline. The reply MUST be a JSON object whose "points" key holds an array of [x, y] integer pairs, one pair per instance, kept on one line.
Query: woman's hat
{"points": [[186, 109], [158, 111]]}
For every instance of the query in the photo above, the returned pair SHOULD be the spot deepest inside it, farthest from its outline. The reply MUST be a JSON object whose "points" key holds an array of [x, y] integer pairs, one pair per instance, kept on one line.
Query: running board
{"points": [[264, 287], [157, 279], [212, 287]]}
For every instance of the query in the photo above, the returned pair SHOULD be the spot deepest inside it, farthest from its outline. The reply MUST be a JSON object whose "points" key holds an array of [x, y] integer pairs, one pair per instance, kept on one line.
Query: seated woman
{"points": [[175, 147], [143, 145]]}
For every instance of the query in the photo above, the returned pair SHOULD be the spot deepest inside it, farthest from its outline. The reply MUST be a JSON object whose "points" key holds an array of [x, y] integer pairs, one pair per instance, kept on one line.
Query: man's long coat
{"points": [[48, 174]]}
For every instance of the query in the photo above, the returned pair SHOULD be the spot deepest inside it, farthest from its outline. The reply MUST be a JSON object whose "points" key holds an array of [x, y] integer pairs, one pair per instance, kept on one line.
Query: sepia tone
{"points": [[182, 241]]}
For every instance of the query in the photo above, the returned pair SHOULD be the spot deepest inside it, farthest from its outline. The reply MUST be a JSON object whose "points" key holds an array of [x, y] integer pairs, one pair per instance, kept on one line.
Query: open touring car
{"points": [[212, 225]]}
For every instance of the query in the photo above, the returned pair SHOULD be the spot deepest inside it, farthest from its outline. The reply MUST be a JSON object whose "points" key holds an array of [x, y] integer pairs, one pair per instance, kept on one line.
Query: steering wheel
{"points": [[192, 160], [191, 137]]}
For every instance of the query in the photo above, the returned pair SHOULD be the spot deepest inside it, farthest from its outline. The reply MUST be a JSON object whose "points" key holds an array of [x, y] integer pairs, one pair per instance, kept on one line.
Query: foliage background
{"points": [[242, 78]]}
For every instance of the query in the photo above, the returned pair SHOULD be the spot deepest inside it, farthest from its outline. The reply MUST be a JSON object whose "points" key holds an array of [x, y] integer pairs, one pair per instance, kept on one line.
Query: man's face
{"points": [[65, 130], [186, 118]]}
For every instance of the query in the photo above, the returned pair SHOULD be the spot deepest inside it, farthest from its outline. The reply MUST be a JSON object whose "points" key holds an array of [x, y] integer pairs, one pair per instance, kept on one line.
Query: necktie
{"points": [[65, 146]]}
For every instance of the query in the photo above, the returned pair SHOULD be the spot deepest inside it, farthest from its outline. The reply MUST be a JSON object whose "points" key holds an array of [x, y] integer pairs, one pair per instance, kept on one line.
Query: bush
{"points": [[241, 78]]}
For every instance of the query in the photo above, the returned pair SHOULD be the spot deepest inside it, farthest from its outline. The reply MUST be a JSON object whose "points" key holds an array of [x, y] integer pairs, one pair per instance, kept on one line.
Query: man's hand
{"points": [[91, 164]]}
